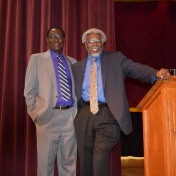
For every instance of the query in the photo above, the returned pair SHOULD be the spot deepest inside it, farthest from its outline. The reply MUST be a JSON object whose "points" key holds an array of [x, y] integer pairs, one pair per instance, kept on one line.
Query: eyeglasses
{"points": [[97, 41], [53, 37]]}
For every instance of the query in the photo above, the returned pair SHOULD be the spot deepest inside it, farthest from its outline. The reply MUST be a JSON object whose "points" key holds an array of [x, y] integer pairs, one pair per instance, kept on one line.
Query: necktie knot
{"points": [[59, 58], [94, 59]]}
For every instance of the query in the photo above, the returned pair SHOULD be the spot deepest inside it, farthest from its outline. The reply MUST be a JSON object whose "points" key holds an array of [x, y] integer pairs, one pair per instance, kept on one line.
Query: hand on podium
{"points": [[163, 74]]}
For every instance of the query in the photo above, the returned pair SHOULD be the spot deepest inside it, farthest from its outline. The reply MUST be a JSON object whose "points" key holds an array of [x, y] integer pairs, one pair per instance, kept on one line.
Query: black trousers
{"points": [[96, 136]]}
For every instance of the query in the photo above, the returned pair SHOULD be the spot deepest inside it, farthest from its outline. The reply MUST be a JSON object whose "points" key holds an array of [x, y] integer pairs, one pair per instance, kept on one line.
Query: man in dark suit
{"points": [[98, 130]]}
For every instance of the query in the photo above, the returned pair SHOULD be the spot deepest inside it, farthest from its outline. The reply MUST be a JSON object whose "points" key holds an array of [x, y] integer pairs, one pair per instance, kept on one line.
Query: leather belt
{"points": [[100, 104], [62, 107]]}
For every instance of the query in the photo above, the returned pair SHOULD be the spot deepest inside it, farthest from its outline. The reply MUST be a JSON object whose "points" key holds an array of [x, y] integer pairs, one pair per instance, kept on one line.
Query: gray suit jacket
{"points": [[41, 88], [114, 68]]}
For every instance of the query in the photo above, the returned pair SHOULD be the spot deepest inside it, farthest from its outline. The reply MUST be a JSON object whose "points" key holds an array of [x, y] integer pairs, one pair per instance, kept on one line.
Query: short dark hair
{"points": [[55, 27]]}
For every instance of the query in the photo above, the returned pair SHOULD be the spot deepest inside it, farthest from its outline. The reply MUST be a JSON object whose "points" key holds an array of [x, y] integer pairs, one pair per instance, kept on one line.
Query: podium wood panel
{"points": [[159, 128]]}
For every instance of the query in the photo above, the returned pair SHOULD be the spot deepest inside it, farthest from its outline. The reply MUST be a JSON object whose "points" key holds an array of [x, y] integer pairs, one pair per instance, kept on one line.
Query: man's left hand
{"points": [[163, 74]]}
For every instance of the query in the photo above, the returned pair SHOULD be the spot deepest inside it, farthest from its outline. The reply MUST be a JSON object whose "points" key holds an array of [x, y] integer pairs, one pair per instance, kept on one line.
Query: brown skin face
{"points": [[56, 44], [94, 49]]}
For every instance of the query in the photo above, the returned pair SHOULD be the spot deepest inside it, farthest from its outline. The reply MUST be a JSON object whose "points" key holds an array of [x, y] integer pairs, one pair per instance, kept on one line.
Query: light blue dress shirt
{"points": [[86, 81]]}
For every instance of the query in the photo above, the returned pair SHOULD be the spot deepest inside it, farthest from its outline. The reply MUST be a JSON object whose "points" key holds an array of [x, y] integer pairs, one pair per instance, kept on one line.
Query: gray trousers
{"points": [[57, 140]]}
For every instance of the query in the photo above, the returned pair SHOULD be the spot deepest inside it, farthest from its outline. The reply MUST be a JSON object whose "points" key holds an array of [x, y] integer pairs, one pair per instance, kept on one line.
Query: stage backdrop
{"points": [[146, 33], [23, 27]]}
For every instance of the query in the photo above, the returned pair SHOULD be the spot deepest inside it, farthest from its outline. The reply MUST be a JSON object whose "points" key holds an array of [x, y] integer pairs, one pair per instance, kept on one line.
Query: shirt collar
{"points": [[53, 54], [98, 58]]}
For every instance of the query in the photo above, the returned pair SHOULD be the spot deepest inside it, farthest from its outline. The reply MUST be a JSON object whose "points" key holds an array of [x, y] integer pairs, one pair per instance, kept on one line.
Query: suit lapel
{"points": [[104, 68], [80, 72], [50, 68]]}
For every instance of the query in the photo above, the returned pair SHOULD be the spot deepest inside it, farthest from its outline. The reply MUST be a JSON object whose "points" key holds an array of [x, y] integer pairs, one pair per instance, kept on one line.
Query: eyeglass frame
{"points": [[53, 37], [97, 41]]}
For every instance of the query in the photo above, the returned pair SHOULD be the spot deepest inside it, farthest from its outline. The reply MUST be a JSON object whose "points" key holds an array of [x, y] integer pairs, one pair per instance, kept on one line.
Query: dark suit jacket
{"points": [[114, 68]]}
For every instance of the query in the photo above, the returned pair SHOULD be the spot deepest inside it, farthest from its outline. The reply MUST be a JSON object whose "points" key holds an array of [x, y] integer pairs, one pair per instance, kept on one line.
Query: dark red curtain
{"points": [[23, 27], [146, 33]]}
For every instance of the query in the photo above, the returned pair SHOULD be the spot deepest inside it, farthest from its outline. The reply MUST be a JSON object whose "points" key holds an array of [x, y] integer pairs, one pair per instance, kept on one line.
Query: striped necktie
{"points": [[93, 88], [64, 87]]}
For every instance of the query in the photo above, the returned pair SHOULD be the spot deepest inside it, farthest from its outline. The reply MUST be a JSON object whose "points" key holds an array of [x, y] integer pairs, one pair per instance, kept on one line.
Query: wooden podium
{"points": [[159, 128]]}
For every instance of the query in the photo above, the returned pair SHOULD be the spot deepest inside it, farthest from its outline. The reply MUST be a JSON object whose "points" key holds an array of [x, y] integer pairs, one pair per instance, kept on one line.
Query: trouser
{"points": [[57, 140], [96, 136]]}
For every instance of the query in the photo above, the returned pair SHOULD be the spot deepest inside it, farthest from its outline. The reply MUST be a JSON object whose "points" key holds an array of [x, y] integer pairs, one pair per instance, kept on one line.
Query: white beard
{"points": [[96, 54]]}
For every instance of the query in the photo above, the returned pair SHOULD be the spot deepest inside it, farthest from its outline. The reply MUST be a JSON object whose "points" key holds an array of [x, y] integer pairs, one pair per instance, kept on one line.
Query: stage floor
{"points": [[132, 166]]}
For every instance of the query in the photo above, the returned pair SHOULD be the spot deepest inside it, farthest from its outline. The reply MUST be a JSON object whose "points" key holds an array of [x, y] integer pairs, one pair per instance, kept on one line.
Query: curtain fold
{"points": [[23, 27]]}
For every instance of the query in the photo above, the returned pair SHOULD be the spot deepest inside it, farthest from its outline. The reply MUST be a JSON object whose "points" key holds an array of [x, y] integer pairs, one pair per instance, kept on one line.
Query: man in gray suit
{"points": [[51, 103], [98, 132]]}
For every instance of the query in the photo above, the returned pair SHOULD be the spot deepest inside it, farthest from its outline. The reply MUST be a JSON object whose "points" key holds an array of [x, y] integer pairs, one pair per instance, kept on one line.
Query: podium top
{"points": [[153, 90]]}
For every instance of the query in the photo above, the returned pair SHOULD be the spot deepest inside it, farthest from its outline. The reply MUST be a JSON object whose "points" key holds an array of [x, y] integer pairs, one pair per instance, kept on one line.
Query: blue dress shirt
{"points": [[86, 81]]}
